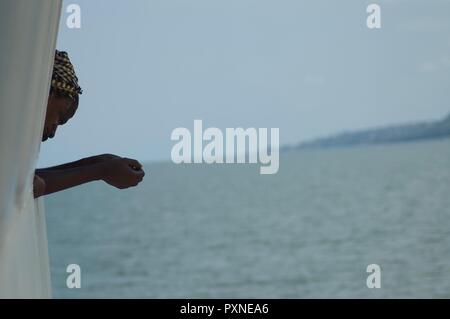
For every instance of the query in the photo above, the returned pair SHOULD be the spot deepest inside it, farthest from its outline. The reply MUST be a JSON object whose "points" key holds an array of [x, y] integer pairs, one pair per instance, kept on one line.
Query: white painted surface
{"points": [[28, 31]]}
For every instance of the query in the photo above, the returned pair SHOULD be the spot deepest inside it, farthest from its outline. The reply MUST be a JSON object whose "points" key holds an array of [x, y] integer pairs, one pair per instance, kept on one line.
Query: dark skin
{"points": [[117, 171]]}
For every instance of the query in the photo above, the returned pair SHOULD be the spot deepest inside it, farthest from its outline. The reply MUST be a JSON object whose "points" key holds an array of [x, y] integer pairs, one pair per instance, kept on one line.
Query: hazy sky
{"points": [[310, 68]]}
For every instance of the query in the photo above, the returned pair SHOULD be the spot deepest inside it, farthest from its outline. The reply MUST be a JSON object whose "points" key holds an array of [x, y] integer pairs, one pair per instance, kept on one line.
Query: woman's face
{"points": [[59, 111]]}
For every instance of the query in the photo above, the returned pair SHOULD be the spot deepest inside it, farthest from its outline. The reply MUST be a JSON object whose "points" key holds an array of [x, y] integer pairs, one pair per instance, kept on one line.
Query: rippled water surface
{"points": [[225, 231]]}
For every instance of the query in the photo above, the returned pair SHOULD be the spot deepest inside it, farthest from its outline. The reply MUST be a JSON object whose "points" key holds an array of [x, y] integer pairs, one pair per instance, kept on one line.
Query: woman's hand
{"points": [[121, 172], [38, 186]]}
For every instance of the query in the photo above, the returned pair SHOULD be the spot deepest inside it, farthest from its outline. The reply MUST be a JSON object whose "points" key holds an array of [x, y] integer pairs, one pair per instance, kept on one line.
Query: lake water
{"points": [[224, 231]]}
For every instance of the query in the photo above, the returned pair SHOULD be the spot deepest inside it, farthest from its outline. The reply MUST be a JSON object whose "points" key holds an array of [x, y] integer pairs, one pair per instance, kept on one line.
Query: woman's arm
{"points": [[82, 162], [119, 172], [38, 186]]}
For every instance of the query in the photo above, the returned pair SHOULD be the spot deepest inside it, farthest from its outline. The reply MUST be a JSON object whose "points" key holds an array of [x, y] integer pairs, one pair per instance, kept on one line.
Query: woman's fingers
{"points": [[123, 172], [133, 163], [138, 173]]}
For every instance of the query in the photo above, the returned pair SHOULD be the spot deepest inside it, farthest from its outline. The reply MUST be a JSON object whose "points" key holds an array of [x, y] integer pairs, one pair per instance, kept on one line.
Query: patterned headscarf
{"points": [[64, 79]]}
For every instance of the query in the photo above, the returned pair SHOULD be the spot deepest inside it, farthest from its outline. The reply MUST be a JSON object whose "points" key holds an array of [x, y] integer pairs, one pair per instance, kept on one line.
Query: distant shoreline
{"points": [[393, 134]]}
